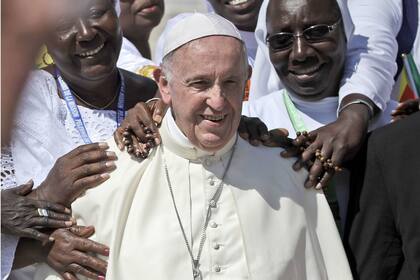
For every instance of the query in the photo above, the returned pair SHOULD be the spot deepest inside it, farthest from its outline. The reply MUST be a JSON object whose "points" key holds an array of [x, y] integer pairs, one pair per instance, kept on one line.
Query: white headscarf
{"points": [[264, 78], [117, 7]]}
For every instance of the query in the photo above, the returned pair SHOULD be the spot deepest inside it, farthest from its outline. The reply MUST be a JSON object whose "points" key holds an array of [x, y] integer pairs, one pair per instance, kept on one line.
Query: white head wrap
{"points": [[196, 26], [264, 78], [117, 7]]}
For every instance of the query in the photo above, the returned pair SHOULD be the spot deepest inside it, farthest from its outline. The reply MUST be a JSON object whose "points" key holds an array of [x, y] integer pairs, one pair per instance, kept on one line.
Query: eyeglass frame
{"points": [[330, 27]]}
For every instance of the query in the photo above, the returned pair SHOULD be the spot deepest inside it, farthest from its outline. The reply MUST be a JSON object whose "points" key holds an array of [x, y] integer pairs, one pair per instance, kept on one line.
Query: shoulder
{"points": [[396, 138], [265, 163], [39, 94], [139, 88]]}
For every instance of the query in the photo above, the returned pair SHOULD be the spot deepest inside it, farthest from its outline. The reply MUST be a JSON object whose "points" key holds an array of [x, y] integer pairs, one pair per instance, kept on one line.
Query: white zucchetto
{"points": [[196, 26]]}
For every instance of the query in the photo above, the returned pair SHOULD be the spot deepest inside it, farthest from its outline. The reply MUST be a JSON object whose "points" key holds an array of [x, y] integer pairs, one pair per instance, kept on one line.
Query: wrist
{"points": [[356, 113]]}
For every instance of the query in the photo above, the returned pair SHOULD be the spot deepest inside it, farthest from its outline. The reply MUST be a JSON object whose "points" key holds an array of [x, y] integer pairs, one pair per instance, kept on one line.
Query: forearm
{"points": [[358, 105], [372, 50]]}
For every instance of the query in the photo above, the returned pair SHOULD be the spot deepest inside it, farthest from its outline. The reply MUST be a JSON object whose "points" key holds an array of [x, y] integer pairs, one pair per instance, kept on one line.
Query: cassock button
{"points": [[213, 224], [216, 246], [211, 182], [217, 268], [212, 203]]}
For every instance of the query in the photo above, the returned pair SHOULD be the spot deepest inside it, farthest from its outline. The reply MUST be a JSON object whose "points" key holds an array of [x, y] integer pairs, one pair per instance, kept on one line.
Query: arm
{"points": [[375, 245], [372, 50]]}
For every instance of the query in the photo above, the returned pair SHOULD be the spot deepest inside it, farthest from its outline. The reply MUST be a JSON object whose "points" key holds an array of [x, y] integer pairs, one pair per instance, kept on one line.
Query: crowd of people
{"points": [[263, 139]]}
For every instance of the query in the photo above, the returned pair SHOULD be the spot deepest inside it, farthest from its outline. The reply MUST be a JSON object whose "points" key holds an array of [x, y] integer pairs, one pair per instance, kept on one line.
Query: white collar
{"points": [[178, 143]]}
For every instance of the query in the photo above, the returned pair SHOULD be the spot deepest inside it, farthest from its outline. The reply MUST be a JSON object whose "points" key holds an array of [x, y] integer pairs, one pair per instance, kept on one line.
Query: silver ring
{"points": [[42, 212]]}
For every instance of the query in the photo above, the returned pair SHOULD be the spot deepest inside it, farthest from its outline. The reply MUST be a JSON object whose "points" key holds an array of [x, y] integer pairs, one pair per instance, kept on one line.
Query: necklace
{"points": [[74, 110], [195, 262], [94, 106]]}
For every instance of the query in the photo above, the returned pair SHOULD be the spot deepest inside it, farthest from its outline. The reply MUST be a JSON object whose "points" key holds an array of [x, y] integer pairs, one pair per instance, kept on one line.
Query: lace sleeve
{"points": [[8, 178]]}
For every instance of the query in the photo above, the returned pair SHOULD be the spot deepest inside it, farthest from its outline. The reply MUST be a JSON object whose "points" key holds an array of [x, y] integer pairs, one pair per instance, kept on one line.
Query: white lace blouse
{"points": [[44, 131]]}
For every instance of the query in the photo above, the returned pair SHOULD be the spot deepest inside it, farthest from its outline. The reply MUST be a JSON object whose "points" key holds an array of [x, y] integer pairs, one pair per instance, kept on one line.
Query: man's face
{"points": [[242, 13], [206, 89], [309, 69]]}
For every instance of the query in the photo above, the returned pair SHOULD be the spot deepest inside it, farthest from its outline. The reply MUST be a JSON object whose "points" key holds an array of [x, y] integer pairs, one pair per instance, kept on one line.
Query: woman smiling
{"points": [[65, 109]]}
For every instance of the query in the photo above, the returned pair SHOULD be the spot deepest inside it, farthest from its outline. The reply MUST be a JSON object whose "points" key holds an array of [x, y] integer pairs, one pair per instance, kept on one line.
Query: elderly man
{"points": [[201, 206]]}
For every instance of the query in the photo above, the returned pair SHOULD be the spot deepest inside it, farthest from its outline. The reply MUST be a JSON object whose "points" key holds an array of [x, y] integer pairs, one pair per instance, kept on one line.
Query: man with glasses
{"points": [[306, 44]]}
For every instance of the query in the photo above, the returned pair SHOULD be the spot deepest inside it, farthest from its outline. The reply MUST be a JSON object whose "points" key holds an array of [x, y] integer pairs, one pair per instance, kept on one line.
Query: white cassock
{"points": [[271, 109], [265, 224]]}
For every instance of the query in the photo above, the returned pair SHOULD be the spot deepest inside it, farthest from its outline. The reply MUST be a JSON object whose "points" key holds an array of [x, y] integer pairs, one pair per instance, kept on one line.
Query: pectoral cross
{"points": [[196, 271]]}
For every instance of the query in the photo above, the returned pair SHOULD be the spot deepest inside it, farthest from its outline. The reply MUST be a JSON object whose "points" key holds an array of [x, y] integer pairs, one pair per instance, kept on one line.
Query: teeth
{"points": [[213, 117], [307, 71], [237, 2], [92, 52]]}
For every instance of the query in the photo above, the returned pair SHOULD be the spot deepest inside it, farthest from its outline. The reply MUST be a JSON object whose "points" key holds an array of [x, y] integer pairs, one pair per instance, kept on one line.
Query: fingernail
{"points": [[100, 277], [106, 251], [69, 223], [158, 119], [51, 239], [110, 164], [105, 175], [318, 186], [67, 210], [73, 219], [111, 154], [103, 145], [157, 141]]}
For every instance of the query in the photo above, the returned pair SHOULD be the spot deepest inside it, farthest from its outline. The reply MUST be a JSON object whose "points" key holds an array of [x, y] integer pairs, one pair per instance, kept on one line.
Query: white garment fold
{"points": [[267, 225]]}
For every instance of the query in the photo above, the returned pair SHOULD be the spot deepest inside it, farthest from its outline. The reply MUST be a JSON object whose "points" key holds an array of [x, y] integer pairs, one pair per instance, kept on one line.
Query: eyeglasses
{"points": [[284, 40]]}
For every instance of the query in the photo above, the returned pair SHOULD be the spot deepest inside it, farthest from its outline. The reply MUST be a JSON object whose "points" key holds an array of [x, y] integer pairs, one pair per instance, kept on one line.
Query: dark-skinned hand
{"points": [[338, 141], [71, 254], [83, 168], [405, 109], [20, 217], [139, 132]]}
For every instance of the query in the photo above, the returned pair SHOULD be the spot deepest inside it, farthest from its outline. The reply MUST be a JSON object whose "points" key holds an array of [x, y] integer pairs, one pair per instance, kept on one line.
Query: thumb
{"points": [[25, 188]]}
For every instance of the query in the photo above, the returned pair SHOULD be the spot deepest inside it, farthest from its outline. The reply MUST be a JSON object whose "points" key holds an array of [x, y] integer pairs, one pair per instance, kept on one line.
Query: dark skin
{"points": [[405, 109], [85, 49], [138, 18], [340, 140], [139, 132], [244, 15]]}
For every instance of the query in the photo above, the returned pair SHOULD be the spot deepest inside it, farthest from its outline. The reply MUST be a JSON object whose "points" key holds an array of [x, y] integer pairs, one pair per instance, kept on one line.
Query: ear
{"points": [[163, 84], [249, 72]]}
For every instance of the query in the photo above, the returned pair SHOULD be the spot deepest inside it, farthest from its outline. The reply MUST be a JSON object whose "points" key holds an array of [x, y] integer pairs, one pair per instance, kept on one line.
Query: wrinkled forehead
{"points": [[282, 13]]}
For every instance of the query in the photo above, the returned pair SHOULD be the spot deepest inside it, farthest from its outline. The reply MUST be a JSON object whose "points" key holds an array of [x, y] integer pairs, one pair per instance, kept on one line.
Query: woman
{"points": [[80, 100]]}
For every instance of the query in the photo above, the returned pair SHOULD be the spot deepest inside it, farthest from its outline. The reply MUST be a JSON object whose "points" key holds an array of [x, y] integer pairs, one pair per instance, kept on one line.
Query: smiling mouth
{"points": [[308, 71], [236, 2], [214, 118], [91, 52]]}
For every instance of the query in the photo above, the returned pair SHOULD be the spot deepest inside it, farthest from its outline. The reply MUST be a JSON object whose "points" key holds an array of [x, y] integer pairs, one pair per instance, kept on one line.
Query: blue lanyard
{"points": [[74, 110]]}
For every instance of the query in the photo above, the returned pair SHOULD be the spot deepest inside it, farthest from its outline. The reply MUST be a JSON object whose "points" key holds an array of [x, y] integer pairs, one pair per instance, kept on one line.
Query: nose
{"points": [[216, 99], [85, 32], [300, 49]]}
